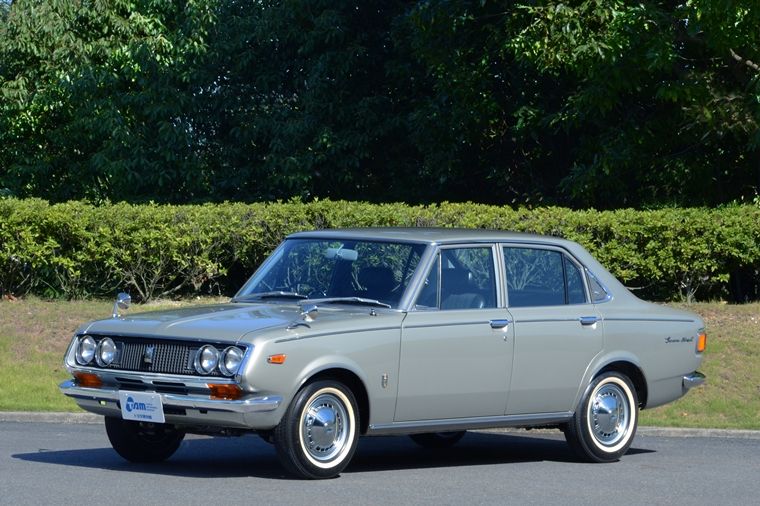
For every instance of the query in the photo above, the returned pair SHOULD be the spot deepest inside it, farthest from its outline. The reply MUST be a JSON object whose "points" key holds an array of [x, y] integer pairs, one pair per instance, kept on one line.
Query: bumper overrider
{"points": [[692, 380], [194, 408]]}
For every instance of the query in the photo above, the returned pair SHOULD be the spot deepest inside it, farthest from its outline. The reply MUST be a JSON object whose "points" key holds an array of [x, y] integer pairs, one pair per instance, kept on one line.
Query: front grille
{"points": [[169, 358], [156, 355]]}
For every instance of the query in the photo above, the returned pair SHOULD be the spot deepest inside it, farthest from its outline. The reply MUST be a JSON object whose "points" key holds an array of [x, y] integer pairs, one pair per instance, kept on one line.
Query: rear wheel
{"points": [[438, 439], [317, 436], [143, 442], [605, 422]]}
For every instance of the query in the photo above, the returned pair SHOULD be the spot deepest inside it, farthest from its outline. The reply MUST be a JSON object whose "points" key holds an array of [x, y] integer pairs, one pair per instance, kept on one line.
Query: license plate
{"points": [[141, 407]]}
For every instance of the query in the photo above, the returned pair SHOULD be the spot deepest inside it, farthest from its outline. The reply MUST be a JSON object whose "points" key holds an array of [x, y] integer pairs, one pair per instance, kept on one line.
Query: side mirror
{"points": [[123, 301]]}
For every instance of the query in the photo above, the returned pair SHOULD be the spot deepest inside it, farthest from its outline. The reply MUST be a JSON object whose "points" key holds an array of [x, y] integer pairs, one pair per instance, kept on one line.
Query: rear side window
{"points": [[542, 277]]}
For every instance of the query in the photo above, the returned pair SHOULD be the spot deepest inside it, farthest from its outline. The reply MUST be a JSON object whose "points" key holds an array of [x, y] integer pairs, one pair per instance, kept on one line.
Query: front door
{"points": [[456, 346]]}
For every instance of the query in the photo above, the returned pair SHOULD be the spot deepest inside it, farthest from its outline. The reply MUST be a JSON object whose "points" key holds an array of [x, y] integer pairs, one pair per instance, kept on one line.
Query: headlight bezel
{"points": [[86, 349], [231, 351], [213, 355], [106, 345]]}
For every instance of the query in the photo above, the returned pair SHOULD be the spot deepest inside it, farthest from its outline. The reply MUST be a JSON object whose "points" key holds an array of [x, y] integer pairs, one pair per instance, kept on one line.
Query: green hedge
{"points": [[77, 250]]}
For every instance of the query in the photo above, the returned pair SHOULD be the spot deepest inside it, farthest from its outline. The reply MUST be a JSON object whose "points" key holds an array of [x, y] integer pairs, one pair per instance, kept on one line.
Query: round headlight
{"points": [[231, 359], [85, 350], [106, 352], [206, 359]]}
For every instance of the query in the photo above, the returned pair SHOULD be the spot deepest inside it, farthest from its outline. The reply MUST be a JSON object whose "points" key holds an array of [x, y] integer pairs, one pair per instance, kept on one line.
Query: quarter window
{"points": [[598, 293], [541, 277]]}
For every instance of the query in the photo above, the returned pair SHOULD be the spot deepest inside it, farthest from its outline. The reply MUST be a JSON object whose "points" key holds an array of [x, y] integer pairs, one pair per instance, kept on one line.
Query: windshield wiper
{"points": [[351, 300], [270, 295]]}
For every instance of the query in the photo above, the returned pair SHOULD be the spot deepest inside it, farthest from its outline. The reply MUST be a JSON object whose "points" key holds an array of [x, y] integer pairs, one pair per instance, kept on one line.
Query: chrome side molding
{"points": [[483, 422]]}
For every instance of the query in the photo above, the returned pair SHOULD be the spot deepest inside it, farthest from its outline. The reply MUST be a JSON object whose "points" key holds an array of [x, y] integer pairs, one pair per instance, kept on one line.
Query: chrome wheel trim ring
{"points": [[326, 427]]}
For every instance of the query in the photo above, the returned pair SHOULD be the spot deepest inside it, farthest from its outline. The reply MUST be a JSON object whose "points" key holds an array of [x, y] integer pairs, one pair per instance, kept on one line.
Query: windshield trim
{"points": [[349, 300], [278, 294]]}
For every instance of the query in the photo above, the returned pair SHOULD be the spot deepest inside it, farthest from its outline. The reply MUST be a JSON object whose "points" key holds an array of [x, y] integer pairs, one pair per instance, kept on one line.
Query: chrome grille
{"points": [[167, 358]]}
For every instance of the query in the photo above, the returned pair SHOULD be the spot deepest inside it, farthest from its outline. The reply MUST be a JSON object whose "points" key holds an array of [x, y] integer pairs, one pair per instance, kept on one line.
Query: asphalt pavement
{"points": [[55, 461]]}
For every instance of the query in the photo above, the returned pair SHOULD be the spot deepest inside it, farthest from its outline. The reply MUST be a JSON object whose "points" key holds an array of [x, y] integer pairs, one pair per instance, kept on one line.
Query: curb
{"points": [[90, 418], [653, 432], [683, 432], [48, 417]]}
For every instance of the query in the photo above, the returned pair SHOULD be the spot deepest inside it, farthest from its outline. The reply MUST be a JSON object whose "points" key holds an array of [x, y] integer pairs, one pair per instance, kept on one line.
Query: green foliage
{"points": [[96, 97], [597, 102], [77, 250], [581, 103]]}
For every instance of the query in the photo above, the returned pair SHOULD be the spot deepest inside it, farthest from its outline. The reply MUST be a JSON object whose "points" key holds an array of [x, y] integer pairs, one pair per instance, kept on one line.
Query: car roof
{"points": [[428, 235]]}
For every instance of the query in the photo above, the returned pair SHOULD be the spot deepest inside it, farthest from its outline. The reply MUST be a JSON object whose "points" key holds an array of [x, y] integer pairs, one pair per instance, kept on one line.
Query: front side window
{"points": [[541, 277], [460, 278]]}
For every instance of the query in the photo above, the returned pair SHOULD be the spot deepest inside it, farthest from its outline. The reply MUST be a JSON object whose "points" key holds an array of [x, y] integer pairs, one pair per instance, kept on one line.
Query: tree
{"points": [[97, 99], [603, 103], [610, 103], [302, 100]]}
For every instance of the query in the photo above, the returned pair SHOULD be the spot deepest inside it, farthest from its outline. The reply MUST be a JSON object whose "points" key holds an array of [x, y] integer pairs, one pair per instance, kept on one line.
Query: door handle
{"points": [[499, 324], [588, 320]]}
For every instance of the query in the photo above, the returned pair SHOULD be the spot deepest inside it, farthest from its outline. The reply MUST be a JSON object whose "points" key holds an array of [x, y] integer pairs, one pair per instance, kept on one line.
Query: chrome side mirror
{"points": [[123, 300]]}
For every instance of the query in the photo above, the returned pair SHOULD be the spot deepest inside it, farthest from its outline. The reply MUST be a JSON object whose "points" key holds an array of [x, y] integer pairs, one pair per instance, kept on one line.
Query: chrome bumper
{"points": [[199, 409], [693, 380]]}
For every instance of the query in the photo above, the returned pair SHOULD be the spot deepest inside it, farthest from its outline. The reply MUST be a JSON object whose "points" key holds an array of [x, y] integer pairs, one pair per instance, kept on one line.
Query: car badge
{"points": [[150, 351]]}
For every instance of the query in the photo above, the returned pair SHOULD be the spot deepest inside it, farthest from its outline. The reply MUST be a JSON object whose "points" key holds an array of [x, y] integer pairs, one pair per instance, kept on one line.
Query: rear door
{"points": [[557, 330]]}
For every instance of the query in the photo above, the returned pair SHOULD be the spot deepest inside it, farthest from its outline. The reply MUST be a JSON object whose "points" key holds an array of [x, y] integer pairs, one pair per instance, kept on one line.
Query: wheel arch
{"points": [[633, 372], [352, 381]]}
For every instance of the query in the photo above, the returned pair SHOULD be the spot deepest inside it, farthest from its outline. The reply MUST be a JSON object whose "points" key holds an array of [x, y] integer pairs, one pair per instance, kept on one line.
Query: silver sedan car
{"points": [[426, 332]]}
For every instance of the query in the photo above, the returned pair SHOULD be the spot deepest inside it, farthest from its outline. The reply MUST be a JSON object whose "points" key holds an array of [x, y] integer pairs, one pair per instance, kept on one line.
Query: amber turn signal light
{"points": [[88, 379], [227, 392], [701, 342], [277, 359]]}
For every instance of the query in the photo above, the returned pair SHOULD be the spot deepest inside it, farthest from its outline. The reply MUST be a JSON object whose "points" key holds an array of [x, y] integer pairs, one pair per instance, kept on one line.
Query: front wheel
{"points": [[604, 424], [317, 436], [141, 441]]}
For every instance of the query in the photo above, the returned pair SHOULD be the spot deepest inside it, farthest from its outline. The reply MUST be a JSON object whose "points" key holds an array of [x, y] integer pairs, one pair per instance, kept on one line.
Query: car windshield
{"points": [[353, 271]]}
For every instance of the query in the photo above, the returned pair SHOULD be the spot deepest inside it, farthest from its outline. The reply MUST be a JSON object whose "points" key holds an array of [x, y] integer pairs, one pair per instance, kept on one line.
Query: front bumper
{"points": [[180, 409], [693, 380]]}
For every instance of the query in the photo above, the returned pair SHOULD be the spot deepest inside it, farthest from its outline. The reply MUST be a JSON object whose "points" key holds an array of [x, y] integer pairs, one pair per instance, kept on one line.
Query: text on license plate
{"points": [[141, 407]]}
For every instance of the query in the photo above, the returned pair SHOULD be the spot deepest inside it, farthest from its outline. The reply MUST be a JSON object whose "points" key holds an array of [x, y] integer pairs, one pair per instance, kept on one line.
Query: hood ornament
{"points": [[310, 312], [308, 315]]}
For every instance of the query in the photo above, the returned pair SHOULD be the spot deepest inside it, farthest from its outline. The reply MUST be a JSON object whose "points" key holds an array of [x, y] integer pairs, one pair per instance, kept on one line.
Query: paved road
{"points": [[46, 463]]}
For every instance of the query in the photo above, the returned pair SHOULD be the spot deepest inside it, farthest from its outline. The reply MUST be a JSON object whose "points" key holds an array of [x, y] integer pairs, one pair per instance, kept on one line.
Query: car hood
{"points": [[233, 321]]}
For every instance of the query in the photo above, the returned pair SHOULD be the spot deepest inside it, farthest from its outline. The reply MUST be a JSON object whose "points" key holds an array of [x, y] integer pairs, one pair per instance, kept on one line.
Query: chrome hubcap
{"points": [[324, 427], [609, 414]]}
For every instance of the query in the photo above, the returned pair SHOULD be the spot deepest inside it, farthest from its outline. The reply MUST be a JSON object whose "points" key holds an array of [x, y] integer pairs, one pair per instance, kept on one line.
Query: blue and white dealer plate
{"points": [[141, 407]]}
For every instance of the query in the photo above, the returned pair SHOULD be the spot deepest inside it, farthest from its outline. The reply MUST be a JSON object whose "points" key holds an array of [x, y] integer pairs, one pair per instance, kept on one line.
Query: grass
{"points": [[731, 396], [34, 335]]}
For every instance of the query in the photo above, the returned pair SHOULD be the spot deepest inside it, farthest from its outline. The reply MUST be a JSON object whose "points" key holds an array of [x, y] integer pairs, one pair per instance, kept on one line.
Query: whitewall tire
{"points": [[603, 426]]}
